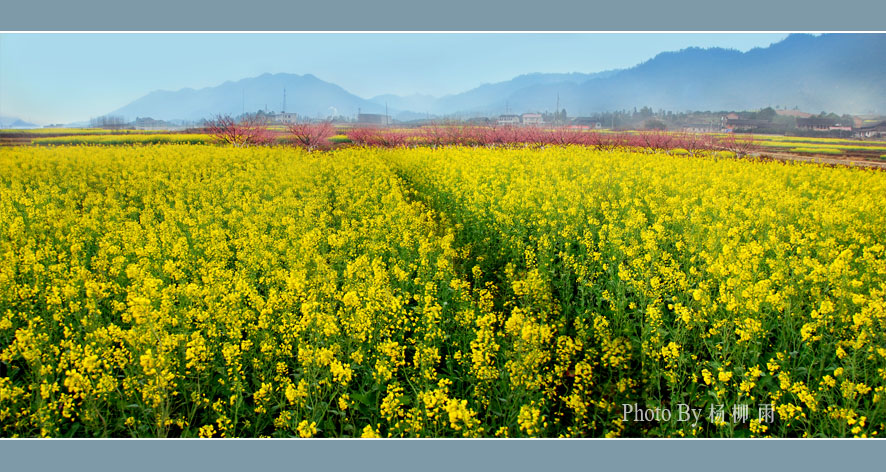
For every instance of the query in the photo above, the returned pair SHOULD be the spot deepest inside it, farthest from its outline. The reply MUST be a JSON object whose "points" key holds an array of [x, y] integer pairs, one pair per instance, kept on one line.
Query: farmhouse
{"points": [[532, 119], [149, 123], [285, 118], [741, 124], [873, 131], [814, 124], [373, 119], [479, 120], [587, 123], [700, 128], [509, 120]]}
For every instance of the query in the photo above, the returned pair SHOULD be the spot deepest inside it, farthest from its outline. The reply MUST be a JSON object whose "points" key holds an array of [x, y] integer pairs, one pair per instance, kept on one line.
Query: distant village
{"points": [[765, 121]]}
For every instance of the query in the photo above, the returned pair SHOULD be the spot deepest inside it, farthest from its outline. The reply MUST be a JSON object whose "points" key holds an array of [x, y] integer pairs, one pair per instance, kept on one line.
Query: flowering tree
{"points": [[562, 136], [250, 130], [656, 141], [433, 135], [695, 143], [311, 135], [740, 146], [371, 136]]}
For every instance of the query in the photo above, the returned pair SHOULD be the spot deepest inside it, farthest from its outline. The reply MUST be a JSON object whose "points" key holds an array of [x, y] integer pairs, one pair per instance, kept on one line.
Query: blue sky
{"points": [[61, 78]]}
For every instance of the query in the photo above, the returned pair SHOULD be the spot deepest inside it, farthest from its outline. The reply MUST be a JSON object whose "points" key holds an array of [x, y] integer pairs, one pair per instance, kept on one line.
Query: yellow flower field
{"points": [[190, 290], [127, 139]]}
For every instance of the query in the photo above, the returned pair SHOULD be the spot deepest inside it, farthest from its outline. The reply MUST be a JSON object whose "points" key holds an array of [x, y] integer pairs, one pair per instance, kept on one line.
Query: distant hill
{"points": [[417, 103], [11, 122], [487, 98], [305, 94], [842, 73]]}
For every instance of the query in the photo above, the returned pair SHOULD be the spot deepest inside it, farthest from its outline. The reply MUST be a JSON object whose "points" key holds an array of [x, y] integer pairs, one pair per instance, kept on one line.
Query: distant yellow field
{"points": [[123, 139], [77, 131]]}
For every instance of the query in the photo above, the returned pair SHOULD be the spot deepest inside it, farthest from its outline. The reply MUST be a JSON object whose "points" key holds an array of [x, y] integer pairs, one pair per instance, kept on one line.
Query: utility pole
{"points": [[557, 110], [387, 120]]}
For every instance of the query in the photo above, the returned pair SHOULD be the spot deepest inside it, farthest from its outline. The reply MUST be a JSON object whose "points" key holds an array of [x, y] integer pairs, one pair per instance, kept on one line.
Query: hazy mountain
{"points": [[842, 73], [417, 102], [305, 94], [493, 98], [484, 99], [11, 122]]}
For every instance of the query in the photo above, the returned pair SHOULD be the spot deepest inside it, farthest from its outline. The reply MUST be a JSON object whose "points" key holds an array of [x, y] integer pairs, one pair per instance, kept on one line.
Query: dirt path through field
{"points": [[826, 160]]}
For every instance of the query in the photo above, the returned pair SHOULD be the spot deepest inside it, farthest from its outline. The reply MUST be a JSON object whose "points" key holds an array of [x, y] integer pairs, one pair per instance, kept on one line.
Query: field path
{"points": [[826, 160]]}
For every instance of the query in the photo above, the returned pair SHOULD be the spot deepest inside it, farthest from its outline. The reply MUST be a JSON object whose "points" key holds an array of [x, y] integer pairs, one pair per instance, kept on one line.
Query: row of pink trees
{"points": [[251, 131], [491, 136]]}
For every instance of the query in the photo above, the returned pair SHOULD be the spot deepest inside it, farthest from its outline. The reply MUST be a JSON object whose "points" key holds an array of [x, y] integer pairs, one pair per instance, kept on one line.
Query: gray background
{"points": [[445, 15], [440, 455]]}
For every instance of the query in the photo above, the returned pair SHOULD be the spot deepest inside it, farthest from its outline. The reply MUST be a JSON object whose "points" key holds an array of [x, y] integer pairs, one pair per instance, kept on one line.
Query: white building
{"points": [[509, 120], [374, 119], [285, 118], [530, 119]]}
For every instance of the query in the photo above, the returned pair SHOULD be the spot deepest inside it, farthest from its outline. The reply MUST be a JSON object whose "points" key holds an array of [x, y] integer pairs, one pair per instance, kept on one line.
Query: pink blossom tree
{"points": [[247, 131], [741, 146], [311, 135]]}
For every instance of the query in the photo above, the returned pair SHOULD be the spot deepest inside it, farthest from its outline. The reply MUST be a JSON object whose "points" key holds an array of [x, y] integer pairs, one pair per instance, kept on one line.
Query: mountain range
{"points": [[842, 73]]}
